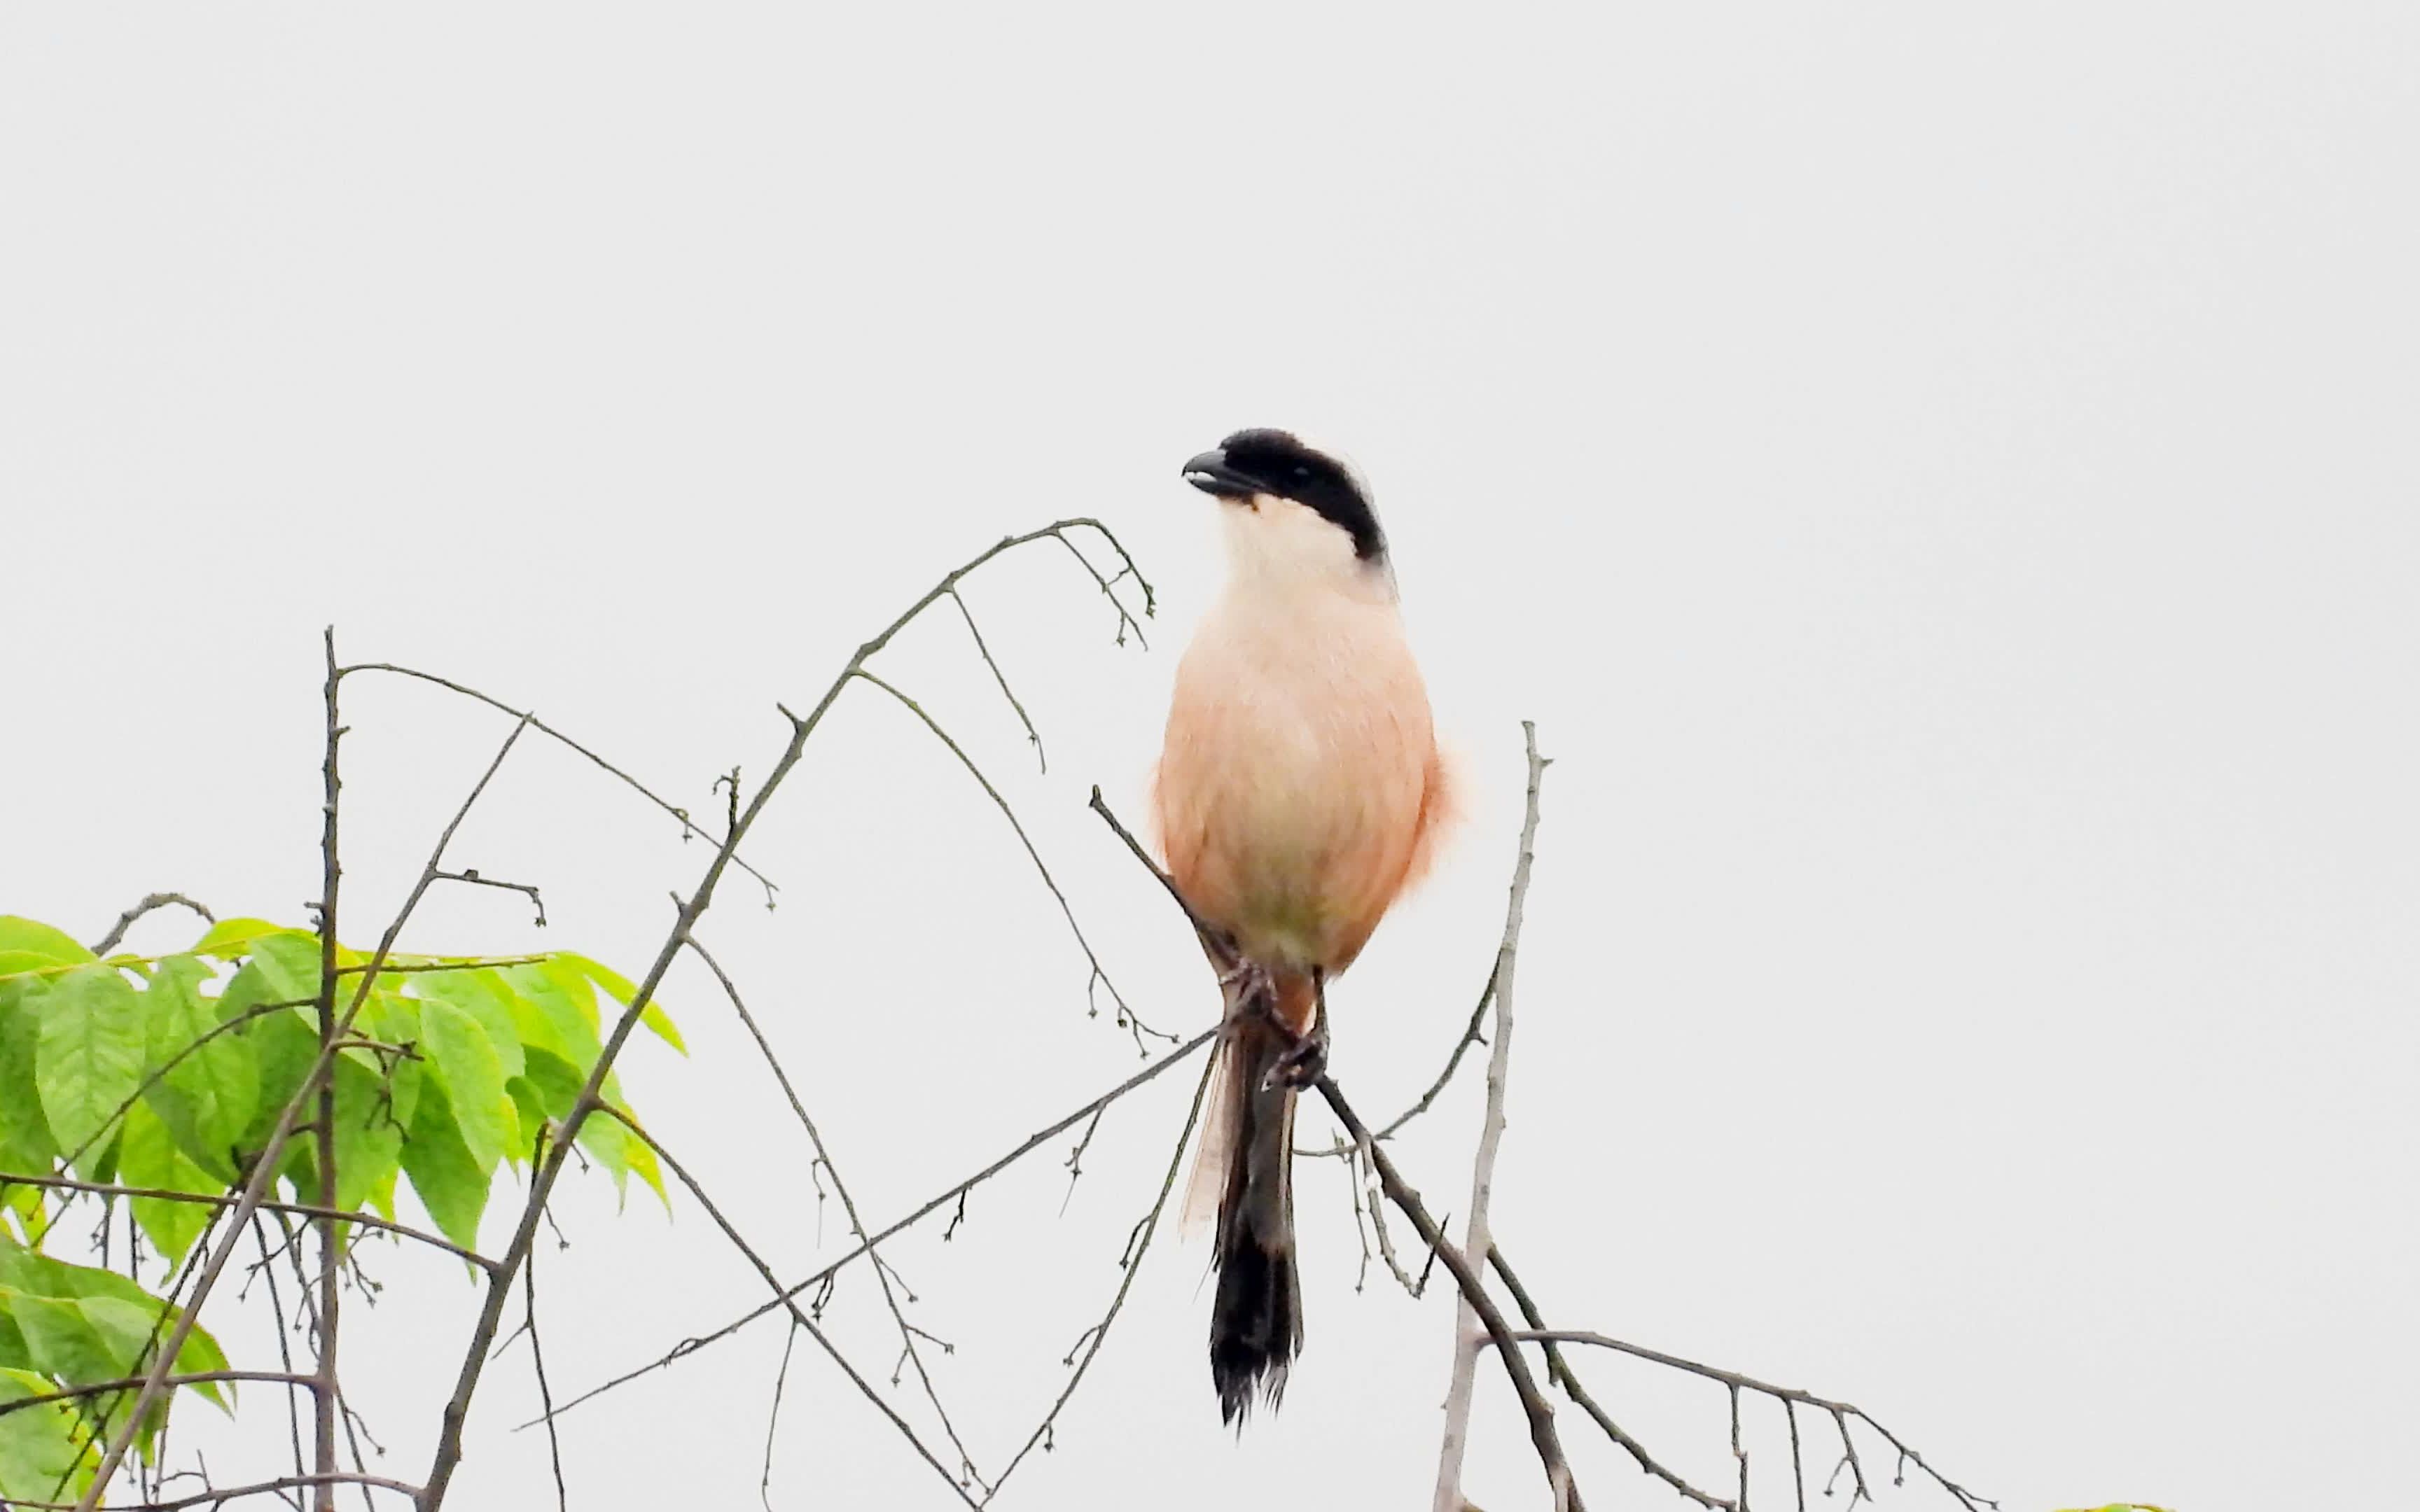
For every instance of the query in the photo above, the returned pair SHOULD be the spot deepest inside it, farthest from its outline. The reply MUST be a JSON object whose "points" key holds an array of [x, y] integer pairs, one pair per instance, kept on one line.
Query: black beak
{"points": [[1210, 474]]}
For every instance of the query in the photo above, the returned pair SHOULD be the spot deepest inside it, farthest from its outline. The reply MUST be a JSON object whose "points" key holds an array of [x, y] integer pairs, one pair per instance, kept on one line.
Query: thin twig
{"points": [[1126, 1014], [527, 890], [1476, 1238], [1002, 678], [1560, 1371], [449, 1443], [157, 1073], [1131, 1262], [798, 1314], [688, 826], [847, 1203], [264, 1169], [772, 1418], [300, 1210], [157, 900], [545, 1393], [186, 1378], [1543, 1436], [324, 1155], [1471, 1036], [934, 1204], [218, 1496], [284, 1351]]}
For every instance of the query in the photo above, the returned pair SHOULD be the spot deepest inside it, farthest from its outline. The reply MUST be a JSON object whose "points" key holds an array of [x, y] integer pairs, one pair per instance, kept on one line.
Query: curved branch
{"points": [[1127, 1018], [543, 728], [925, 1210], [448, 1455], [157, 900]]}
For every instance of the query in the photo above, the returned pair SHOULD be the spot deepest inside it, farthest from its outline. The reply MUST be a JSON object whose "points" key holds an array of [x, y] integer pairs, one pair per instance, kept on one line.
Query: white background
{"points": [[1942, 478]]}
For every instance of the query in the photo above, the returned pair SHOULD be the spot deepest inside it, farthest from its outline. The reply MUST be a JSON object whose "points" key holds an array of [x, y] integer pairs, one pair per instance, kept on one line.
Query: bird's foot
{"points": [[1250, 987], [1304, 1062]]}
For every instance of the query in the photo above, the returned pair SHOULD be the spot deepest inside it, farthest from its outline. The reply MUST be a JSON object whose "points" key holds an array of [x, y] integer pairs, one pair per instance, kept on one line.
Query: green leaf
{"points": [[283, 1044], [40, 1446], [390, 1016], [60, 1340], [88, 1055], [369, 1135], [41, 939], [643, 1162], [467, 1063], [231, 939], [548, 1017], [622, 991], [208, 1098], [557, 1082], [381, 1197], [288, 961], [452, 1185], [484, 997], [24, 964], [127, 1331], [148, 1156], [26, 1140]]}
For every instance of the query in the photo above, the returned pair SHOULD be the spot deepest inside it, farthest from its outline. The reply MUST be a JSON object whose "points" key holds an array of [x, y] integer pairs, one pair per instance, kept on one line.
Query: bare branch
{"points": [[545, 1393], [934, 1204], [1560, 1372], [218, 1496], [798, 1314], [1533, 1403], [1131, 1262], [772, 1418], [688, 825], [1541, 1415], [1125, 1015], [449, 1445], [848, 1204], [324, 1389], [527, 890], [301, 1209], [1002, 678], [158, 900], [189, 1377], [264, 1170], [1471, 1035], [256, 1012], [1476, 1238]]}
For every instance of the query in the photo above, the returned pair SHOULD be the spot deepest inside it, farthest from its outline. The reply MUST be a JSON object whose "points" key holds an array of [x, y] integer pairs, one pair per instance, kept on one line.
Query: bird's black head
{"points": [[1273, 462]]}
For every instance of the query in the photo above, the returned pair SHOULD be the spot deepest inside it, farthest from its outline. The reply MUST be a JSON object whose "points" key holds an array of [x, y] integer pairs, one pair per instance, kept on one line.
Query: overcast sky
{"points": [[1942, 478]]}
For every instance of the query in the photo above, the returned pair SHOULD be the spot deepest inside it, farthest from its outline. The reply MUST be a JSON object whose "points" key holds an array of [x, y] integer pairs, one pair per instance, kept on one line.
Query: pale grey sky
{"points": [[1942, 479]]}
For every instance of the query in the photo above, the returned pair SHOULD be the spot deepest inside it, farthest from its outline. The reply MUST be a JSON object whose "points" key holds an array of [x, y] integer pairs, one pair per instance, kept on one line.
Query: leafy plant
{"points": [[158, 1080]]}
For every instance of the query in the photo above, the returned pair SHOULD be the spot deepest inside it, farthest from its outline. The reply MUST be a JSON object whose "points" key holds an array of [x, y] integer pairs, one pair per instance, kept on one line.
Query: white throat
{"points": [[1276, 546]]}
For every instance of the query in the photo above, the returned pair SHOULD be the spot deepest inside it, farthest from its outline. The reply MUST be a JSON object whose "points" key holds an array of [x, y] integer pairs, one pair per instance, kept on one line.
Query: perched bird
{"points": [[1299, 792]]}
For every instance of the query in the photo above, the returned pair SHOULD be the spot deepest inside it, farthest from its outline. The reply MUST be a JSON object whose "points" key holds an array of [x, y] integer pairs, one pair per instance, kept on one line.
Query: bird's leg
{"points": [[1250, 987], [1307, 1057]]}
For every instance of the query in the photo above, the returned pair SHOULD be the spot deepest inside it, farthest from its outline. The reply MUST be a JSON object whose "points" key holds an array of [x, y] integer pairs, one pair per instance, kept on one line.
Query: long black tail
{"points": [[1256, 1321]]}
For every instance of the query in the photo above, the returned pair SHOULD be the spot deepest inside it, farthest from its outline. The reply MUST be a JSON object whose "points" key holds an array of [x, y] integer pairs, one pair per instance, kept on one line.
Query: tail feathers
{"points": [[1256, 1318]]}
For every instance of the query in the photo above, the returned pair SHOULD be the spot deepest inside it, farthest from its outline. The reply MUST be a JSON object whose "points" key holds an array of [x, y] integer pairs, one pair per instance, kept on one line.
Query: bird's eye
{"points": [[1301, 471]]}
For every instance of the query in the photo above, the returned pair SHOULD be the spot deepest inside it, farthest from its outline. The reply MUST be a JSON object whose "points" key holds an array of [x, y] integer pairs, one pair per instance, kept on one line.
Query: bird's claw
{"points": [[1304, 1062], [1250, 985]]}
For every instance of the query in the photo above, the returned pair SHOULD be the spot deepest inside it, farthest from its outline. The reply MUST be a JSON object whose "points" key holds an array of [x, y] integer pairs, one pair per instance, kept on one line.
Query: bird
{"points": [[1299, 792]]}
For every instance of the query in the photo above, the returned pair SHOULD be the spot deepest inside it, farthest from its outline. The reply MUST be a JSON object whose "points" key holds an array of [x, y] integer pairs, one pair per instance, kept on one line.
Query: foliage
{"points": [[166, 1075]]}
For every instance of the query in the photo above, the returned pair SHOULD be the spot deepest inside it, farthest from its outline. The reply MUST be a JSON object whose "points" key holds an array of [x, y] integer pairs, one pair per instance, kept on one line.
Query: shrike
{"points": [[1298, 794]]}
